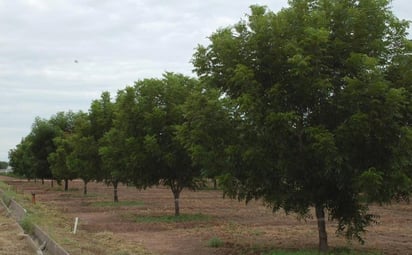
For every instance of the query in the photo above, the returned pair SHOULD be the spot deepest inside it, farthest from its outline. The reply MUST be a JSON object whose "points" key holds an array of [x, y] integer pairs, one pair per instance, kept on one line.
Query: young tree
{"points": [[40, 146], [64, 124], [101, 114], [84, 158], [317, 122], [148, 116], [21, 159], [113, 155]]}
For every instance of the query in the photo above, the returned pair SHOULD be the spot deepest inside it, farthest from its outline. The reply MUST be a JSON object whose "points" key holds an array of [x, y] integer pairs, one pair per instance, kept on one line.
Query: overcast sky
{"points": [[59, 55]]}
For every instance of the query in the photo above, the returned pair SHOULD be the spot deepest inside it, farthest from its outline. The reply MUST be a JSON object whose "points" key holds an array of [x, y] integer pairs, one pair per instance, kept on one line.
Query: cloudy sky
{"points": [[59, 55]]}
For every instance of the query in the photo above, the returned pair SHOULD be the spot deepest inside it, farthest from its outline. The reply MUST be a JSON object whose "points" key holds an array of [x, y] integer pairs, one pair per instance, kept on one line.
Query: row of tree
{"points": [[307, 107], [133, 140]]}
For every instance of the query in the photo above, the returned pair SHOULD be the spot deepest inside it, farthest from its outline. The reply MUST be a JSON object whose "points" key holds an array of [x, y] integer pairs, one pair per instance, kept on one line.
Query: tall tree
{"points": [[318, 123]]}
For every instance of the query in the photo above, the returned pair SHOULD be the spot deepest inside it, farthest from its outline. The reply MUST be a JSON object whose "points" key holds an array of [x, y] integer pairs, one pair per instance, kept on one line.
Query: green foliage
{"points": [[215, 242], [4, 164], [143, 147], [27, 224], [319, 108], [6, 199]]}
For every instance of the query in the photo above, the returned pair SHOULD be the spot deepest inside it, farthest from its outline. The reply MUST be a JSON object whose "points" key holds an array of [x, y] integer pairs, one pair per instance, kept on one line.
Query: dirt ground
{"points": [[12, 239], [243, 229]]}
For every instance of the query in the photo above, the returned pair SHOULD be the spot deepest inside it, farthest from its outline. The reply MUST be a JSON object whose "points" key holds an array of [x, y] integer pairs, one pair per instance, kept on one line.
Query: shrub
{"points": [[215, 242]]}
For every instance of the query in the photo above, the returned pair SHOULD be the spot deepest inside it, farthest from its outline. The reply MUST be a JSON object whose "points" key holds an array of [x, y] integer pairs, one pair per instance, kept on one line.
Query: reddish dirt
{"points": [[244, 229]]}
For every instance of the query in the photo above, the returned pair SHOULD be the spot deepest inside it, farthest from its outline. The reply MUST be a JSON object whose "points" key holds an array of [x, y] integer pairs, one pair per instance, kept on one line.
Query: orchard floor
{"points": [[243, 229]]}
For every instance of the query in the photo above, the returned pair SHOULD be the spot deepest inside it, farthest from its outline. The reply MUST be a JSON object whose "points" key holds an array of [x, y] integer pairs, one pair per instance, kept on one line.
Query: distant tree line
{"points": [[4, 164], [306, 108]]}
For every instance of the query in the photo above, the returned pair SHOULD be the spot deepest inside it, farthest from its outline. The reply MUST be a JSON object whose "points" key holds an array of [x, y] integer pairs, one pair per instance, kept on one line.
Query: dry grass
{"points": [[12, 240]]}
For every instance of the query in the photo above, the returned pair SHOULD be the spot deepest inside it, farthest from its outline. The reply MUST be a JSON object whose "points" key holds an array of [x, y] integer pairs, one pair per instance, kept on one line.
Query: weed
{"points": [[336, 251], [215, 242], [27, 224]]}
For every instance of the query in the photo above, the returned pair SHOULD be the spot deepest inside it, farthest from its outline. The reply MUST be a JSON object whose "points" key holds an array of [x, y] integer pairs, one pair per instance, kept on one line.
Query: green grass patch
{"points": [[335, 251], [215, 242], [8, 193], [172, 219], [116, 204], [27, 224]]}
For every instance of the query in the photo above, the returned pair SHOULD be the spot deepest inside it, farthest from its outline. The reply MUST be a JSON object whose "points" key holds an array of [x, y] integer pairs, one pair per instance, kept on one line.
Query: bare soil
{"points": [[244, 229]]}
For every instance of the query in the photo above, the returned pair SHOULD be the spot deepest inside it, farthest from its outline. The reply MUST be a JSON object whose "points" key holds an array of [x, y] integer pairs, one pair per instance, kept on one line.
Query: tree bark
{"points": [[323, 237], [176, 195], [85, 188], [115, 197], [66, 184]]}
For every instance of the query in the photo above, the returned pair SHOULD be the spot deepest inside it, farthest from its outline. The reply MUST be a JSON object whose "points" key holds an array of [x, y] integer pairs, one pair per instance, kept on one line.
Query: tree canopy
{"points": [[147, 118], [318, 121]]}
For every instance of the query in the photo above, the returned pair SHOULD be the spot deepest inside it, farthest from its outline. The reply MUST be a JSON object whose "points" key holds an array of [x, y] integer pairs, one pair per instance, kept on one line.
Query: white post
{"points": [[76, 221]]}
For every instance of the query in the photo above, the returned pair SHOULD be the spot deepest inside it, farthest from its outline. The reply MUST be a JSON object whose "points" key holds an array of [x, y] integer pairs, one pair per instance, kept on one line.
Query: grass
{"points": [[215, 242], [116, 204], [8, 194], [27, 224], [336, 251], [171, 219]]}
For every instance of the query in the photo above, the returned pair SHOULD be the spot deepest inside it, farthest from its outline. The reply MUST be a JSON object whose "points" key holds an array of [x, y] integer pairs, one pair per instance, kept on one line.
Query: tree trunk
{"points": [[66, 184], [42, 181], [176, 195], [115, 197], [214, 183], [323, 237], [52, 183], [85, 188]]}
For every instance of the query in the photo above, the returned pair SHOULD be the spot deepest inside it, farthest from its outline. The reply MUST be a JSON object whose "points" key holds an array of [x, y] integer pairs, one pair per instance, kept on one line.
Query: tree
{"points": [[64, 124], [101, 114], [148, 116], [114, 154], [83, 158], [317, 122], [4, 164], [207, 130], [40, 146], [21, 159]]}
